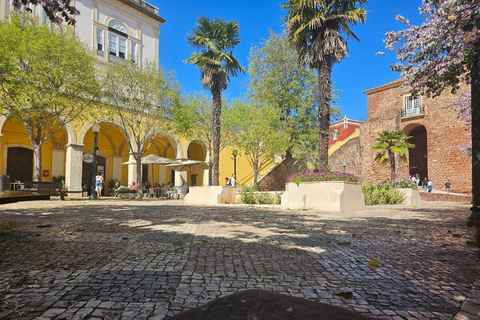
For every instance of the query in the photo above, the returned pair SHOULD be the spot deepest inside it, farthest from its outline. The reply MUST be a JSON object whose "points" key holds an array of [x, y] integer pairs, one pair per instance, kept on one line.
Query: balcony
{"points": [[144, 7], [413, 112]]}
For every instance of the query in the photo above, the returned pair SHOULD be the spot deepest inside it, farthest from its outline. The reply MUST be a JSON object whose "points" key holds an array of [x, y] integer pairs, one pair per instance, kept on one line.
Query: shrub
{"points": [[309, 176], [377, 194], [405, 183], [247, 195], [126, 190], [264, 198]]}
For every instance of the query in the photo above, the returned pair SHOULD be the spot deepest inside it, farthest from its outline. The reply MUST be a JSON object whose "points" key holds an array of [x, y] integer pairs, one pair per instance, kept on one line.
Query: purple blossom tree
{"points": [[440, 54], [57, 11]]}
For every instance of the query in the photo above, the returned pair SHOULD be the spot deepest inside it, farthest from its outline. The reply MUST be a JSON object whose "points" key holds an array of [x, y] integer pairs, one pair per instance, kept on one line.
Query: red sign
{"points": [[46, 173]]}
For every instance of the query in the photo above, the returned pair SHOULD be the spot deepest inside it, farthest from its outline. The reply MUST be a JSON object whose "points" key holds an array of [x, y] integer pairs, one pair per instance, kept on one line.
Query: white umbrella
{"points": [[153, 159], [188, 165]]}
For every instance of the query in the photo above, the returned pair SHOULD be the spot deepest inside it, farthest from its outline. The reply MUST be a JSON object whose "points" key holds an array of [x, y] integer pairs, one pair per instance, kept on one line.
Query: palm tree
{"points": [[388, 144], [315, 28], [216, 40]]}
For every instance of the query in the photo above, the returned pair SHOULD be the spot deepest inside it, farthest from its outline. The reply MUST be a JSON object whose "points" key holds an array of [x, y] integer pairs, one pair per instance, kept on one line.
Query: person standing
{"points": [[233, 180], [448, 185], [429, 185], [425, 184], [99, 184]]}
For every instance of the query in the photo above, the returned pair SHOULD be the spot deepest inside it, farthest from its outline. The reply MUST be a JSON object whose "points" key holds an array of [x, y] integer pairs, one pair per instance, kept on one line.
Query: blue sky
{"points": [[360, 71]]}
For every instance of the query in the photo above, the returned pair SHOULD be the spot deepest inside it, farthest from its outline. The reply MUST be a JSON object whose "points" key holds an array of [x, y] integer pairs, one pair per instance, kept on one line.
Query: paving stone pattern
{"points": [[153, 259]]}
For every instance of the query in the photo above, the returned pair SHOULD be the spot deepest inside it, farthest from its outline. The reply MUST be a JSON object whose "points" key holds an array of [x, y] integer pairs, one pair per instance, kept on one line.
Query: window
{"points": [[335, 135], [134, 52], [412, 106], [100, 42], [117, 41]]}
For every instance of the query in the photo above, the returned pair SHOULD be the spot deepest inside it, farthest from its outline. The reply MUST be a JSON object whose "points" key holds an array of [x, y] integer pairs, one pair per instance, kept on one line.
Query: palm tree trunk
{"points": [[391, 158], [323, 124], [216, 123]]}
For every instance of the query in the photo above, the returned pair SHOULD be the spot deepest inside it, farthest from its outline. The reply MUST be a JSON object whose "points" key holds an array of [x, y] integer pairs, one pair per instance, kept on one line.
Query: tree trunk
{"points": [[216, 123], [391, 158], [138, 167], [475, 95], [256, 170], [37, 160], [323, 126]]}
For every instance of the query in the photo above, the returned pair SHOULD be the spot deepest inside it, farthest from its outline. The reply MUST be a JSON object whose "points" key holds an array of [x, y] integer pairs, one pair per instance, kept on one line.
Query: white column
{"points": [[132, 169], [117, 168], [73, 169], [58, 162]]}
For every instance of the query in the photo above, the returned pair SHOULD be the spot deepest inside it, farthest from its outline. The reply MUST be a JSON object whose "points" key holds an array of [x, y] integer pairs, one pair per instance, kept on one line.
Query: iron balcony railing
{"points": [[413, 112]]}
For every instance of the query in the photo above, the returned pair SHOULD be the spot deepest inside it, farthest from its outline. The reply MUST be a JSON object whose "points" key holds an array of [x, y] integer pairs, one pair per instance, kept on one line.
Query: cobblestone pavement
{"points": [[150, 260]]}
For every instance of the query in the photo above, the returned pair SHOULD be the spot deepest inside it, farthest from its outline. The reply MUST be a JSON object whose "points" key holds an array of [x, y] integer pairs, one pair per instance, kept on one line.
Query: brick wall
{"points": [[350, 154], [445, 134]]}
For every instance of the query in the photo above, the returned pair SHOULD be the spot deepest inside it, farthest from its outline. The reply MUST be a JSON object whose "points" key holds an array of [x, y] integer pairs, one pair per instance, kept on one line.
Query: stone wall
{"points": [[446, 132], [349, 153]]}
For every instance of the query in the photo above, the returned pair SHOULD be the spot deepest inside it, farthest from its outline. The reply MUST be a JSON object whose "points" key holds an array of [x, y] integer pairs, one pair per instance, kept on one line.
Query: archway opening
{"points": [[417, 157]]}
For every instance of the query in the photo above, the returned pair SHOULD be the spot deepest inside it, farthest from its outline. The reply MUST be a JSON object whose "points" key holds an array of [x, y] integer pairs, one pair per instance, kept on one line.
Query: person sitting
{"points": [[227, 181], [116, 187], [133, 186]]}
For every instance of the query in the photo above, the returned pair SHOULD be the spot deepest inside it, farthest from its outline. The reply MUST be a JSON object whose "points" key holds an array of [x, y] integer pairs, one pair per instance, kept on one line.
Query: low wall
{"points": [[211, 195], [412, 196], [335, 196]]}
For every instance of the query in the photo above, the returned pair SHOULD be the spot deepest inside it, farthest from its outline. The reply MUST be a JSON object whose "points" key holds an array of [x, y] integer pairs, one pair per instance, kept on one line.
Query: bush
{"points": [[405, 183], [263, 198], [247, 195], [377, 194], [309, 176], [126, 190]]}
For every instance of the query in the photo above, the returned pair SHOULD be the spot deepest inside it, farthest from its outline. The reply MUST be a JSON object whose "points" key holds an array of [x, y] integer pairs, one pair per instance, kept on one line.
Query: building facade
{"points": [[437, 130], [114, 30]]}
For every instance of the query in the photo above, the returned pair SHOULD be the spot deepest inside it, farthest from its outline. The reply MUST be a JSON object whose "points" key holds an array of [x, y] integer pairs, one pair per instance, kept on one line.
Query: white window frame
{"points": [[412, 104]]}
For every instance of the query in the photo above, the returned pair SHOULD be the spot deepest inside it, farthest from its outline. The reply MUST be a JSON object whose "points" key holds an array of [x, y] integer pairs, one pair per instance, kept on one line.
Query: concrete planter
{"points": [[211, 195], [128, 195], [334, 196], [412, 196]]}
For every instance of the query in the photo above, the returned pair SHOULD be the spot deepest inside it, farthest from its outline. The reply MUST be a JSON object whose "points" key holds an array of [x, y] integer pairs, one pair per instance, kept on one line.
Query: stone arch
{"points": [[71, 135], [199, 142], [83, 132], [173, 141], [418, 156]]}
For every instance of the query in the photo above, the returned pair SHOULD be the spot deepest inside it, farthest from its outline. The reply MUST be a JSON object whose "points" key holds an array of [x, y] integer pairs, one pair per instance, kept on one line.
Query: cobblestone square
{"points": [[112, 259]]}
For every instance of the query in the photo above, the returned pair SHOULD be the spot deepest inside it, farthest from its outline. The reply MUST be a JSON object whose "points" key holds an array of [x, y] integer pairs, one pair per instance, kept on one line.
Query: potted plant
{"points": [[126, 193], [323, 190]]}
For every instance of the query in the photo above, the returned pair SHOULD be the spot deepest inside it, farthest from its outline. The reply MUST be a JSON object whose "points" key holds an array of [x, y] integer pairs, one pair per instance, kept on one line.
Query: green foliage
{"points": [[405, 183], [58, 178], [377, 194], [310, 176], [388, 144], [47, 78], [126, 190], [257, 133], [248, 195], [306, 153], [142, 98]]}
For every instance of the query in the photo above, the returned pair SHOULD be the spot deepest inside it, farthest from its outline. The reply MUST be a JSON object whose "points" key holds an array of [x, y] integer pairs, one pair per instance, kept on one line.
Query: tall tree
{"points": [[216, 40], [258, 133], [439, 54], [47, 78], [316, 29], [389, 144], [193, 119], [277, 79], [143, 99]]}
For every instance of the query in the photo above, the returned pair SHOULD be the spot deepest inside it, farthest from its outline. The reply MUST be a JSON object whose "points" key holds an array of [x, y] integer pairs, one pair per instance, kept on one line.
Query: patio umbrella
{"points": [[188, 165], [153, 159]]}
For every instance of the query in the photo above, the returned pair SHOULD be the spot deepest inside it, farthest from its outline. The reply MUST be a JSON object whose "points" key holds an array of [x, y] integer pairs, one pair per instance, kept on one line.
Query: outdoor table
{"points": [[17, 186]]}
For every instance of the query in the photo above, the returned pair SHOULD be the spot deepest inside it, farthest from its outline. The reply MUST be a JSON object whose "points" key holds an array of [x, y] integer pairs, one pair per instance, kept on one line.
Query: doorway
{"points": [[20, 164], [418, 156]]}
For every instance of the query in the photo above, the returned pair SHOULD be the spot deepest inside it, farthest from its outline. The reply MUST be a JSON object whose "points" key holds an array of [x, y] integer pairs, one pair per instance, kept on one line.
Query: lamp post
{"points": [[235, 154], [344, 166], [95, 129]]}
